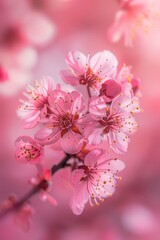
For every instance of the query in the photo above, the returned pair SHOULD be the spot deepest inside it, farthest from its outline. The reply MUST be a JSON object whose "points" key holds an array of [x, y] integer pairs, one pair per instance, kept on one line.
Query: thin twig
{"points": [[42, 185]]}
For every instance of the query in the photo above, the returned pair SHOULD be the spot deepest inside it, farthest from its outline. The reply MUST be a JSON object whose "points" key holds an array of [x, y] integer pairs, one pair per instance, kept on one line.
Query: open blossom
{"points": [[130, 83], [65, 122], [112, 123], [133, 16], [28, 150], [35, 106], [89, 71], [95, 180], [44, 175]]}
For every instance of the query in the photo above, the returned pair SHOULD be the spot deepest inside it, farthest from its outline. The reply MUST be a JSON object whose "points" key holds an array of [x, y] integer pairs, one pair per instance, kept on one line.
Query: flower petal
{"points": [[71, 142], [76, 177], [92, 157], [77, 62], [104, 64], [97, 108], [48, 135], [68, 77], [79, 198]]}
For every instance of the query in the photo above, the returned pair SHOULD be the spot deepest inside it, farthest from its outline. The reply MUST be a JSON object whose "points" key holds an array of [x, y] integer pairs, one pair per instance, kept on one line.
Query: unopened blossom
{"points": [[65, 122], [110, 89], [28, 150], [133, 16], [35, 105], [3, 74], [112, 123], [44, 177], [130, 83], [94, 180], [89, 71]]}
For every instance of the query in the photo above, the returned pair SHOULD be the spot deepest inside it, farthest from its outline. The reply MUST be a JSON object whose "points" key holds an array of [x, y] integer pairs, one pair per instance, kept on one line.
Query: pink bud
{"points": [[135, 85], [110, 89], [3, 74]]}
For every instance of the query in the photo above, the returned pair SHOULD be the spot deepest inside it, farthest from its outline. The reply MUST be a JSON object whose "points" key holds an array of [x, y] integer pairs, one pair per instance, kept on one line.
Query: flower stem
{"points": [[89, 92], [42, 185]]}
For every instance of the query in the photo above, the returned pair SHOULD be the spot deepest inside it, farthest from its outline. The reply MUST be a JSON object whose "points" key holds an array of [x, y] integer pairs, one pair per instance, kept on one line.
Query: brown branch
{"points": [[42, 185]]}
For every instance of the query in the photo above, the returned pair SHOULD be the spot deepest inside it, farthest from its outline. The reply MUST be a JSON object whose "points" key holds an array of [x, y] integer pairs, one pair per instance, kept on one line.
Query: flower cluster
{"points": [[134, 16], [86, 125]]}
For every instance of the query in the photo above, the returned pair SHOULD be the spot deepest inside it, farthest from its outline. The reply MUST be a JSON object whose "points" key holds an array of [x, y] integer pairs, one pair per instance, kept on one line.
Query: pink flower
{"points": [[65, 122], [95, 180], [112, 123], [22, 216], [131, 84], [44, 175], [28, 150], [3, 75], [35, 106], [133, 15], [110, 89], [87, 71]]}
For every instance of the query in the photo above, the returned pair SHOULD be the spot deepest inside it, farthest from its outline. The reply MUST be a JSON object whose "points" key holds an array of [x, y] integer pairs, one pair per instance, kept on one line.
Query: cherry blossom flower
{"points": [[89, 71], [45, 176], [28, 150], [95, 180], [133, 16], [35, 106], [65, 122], [130, 83], [22, 215], [112, 123]]}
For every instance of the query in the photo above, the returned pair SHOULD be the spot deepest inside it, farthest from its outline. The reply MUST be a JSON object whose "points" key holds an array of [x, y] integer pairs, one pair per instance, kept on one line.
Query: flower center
{"points": [[40, 101], [110, 122], [29, 152], [66, 121], [90, 79]]}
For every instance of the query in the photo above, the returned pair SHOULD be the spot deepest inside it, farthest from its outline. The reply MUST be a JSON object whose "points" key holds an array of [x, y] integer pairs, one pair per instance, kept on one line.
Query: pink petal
{"points": [[77, 62], [76, 177], [59, 102], [110, 89], [79, 198], [71, 142], [118, 28], [77, 102], [24, 139], [129, 125], [51, 200], [97, 107], [92, 157], [68, 77], [120, 102], [118, 141], [104, 64], [48, 135], [94, 134], [114, 166]]}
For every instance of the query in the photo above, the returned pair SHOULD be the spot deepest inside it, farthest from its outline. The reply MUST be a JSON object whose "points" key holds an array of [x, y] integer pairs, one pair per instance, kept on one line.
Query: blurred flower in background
{"points": [[35, 37]]}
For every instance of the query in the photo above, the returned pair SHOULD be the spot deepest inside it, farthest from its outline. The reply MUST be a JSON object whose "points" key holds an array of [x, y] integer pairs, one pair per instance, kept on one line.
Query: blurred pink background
{"points": [[35, 36]]}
